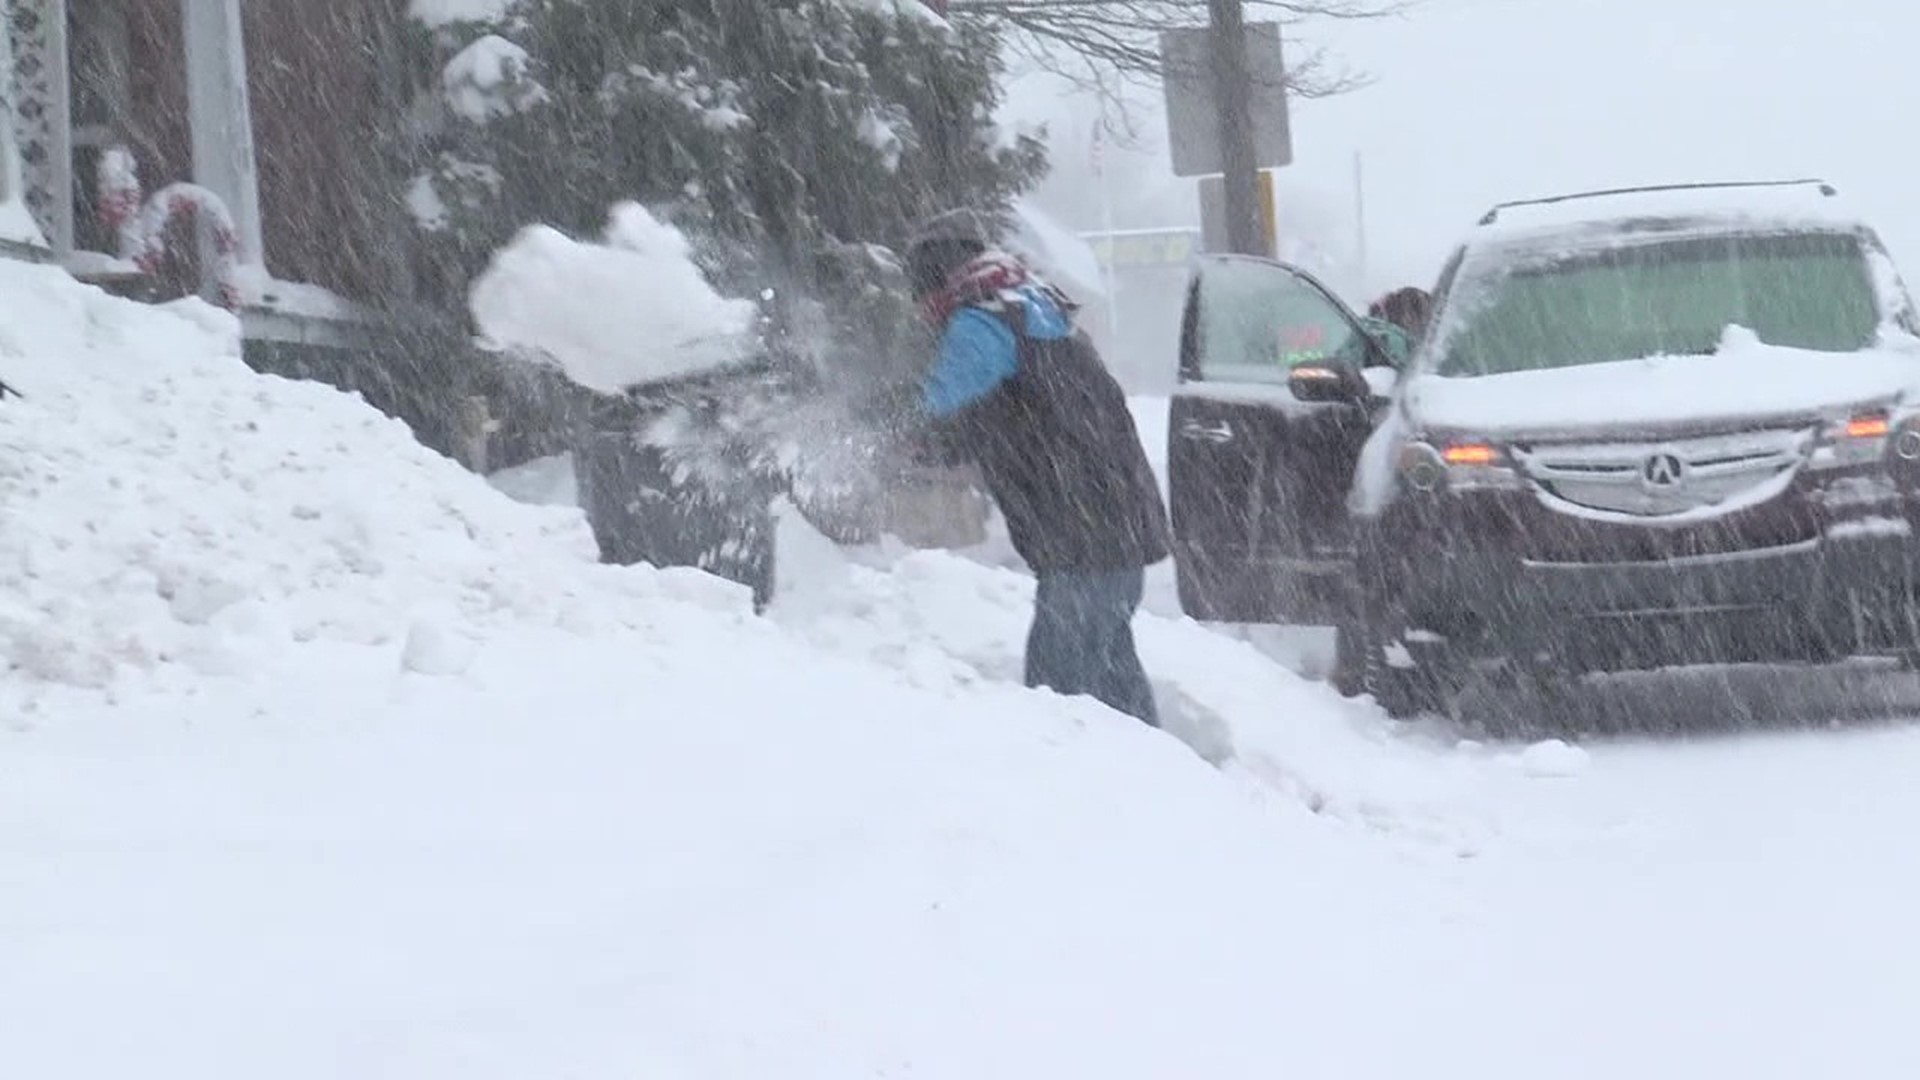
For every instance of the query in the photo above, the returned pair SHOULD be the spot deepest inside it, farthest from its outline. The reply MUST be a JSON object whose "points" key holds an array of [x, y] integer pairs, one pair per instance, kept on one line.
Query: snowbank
{"points": [[632, 309], [954, 626], [437, 794], [170, 512]]}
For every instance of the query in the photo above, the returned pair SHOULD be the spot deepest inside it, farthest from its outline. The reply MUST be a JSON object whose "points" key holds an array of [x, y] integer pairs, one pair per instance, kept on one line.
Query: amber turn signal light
{"points": [[1868, 427], [1471, 454]]}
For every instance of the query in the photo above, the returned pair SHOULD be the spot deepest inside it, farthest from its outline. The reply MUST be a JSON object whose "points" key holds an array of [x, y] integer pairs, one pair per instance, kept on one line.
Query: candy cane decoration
{"points": [[142, 235], [118, 199]]}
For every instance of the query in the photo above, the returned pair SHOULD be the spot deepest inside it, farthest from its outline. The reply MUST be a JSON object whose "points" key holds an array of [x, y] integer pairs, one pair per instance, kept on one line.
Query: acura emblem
{"points": [[1663, 470]]}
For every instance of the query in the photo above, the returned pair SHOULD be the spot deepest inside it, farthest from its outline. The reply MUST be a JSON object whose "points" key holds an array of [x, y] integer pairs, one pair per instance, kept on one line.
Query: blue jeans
{"points": [[1082, 640]]}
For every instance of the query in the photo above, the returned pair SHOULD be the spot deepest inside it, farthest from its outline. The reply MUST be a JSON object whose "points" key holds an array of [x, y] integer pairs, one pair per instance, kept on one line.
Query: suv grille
{"points": [[1658, 479], [1545, 537]]}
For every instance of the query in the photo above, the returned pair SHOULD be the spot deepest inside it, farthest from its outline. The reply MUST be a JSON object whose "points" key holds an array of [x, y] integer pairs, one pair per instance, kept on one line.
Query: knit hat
{"points": [[943, 244]]}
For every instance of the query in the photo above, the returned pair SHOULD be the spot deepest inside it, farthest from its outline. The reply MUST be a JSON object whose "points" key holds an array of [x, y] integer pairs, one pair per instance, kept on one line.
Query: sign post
{"points": [[1214, 233], [1227, 121]]}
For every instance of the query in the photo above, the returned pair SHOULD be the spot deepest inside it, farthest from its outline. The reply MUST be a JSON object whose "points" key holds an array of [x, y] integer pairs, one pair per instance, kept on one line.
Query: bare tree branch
{"points": [[1101, 46]]}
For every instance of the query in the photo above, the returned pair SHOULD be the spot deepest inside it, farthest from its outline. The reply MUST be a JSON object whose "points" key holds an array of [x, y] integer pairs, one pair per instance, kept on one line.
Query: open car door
{"points": [[1258, 477]]}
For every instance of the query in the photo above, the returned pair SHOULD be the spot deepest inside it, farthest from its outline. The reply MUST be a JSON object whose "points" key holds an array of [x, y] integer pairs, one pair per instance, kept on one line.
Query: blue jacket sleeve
{"points": [[977, 354]]}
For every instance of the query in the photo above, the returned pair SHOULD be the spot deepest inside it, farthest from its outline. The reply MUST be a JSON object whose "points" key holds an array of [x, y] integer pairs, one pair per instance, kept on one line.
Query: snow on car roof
{"points": [[1795, 203]]}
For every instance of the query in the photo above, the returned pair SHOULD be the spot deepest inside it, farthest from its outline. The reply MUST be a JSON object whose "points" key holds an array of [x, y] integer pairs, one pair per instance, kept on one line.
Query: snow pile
{"points": [[1554, 759], [547, 481], [489, 79], [698, 851], [169, 511], [454, 770], [953, 627], [630, 310]]}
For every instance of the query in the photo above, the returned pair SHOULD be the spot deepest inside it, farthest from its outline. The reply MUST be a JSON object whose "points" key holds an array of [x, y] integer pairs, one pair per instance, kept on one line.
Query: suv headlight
{"points": [[1879, 436], [1903, 450], [1860, 439], [1456, 465], [1903, 442]]}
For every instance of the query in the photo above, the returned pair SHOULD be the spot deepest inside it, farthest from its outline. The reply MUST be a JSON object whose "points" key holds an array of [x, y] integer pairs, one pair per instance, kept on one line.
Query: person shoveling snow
{"points": [[1019, 390]]}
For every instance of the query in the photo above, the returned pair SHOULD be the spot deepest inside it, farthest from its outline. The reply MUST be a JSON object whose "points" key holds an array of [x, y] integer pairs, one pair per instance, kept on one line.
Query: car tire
{"points": [[1374, 630], [1349, 659], [1402, 693], [1907, 634]]}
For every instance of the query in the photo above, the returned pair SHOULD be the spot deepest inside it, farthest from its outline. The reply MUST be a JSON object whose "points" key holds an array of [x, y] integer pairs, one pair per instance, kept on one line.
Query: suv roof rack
{"points": [[1493, 214]]}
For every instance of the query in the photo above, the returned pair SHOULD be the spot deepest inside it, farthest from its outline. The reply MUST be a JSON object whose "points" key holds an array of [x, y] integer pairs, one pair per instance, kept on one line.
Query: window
{"points": [[1257, 320]]}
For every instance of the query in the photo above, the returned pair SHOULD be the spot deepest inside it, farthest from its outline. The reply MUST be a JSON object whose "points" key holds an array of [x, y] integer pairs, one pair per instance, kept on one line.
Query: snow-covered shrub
{"points": [[787, 139]]}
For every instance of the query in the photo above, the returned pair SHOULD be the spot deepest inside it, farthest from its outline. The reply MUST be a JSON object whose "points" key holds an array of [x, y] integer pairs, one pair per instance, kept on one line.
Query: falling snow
{"points": [[330, 754]]}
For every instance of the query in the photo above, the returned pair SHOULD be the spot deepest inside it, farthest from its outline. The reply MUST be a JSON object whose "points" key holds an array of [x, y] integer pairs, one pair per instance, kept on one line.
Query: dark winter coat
{"points": [[1023, 393]]}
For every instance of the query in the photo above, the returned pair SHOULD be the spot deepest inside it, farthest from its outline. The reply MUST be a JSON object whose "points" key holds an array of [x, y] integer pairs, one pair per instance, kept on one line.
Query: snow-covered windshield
{"points": [[1671, 297]]}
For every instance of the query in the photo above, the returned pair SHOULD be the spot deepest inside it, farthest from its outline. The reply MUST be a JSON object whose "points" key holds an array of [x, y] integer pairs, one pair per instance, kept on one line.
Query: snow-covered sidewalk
{"points": [[319, 757]]}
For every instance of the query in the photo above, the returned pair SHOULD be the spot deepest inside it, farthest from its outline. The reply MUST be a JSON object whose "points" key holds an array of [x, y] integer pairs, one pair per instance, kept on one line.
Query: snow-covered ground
{"points": [[322, 758]]}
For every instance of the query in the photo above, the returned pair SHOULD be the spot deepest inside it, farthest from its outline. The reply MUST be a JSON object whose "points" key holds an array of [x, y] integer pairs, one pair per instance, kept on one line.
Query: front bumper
{"points": [[1796, 579]]}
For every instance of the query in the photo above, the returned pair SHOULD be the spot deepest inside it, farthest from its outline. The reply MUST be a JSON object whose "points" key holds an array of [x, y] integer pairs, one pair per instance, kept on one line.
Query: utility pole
{"points": [[1246, 234], [1360, 223]]}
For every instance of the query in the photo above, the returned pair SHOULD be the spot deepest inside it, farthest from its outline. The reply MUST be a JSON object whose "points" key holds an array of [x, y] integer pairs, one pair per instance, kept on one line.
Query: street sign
{"points": [[1213, 213], [1193, 110]]}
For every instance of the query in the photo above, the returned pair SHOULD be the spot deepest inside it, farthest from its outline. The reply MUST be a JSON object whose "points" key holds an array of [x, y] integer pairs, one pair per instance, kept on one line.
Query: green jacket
{"points": [[1398, 344]]}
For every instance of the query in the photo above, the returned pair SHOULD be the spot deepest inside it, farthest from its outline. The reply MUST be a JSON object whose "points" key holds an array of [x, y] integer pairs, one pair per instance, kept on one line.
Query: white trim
{"points": [[221, 116], [60, 125], [43, 195], [265, 324]]}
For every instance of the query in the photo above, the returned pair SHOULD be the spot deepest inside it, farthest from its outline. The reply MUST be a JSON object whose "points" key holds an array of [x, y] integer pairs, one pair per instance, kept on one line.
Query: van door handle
{"points": [[1217, 432]]}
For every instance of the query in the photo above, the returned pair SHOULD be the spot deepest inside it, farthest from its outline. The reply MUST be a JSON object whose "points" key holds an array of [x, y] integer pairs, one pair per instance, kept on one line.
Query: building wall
{"points": [[129, 86], [315, 72], [317, 87]]}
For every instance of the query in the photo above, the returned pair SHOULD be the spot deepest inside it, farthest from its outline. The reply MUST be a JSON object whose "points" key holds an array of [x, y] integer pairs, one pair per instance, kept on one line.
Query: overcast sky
{"points": [[1476, 101]]}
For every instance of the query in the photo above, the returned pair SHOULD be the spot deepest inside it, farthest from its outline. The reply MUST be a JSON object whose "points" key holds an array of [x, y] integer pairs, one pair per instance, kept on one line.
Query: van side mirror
{"points": [[1324, 382]]}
